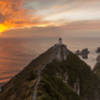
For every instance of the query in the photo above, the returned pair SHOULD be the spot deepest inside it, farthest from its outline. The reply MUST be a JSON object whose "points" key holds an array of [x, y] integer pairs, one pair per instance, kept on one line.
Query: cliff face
{"points": [[57, 74], [97, 69]]}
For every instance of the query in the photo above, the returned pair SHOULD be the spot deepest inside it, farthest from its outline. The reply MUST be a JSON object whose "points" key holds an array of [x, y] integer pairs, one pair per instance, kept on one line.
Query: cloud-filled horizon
{"points": [[27, 16]]}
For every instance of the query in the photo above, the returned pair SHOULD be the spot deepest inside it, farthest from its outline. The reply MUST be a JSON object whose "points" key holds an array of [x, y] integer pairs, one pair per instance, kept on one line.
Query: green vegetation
{"points": [[57, 82], [97, 69], [53, 87]]}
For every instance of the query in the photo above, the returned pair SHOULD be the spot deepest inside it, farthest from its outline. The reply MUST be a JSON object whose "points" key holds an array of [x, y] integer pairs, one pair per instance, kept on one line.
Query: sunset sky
{"points": [[39, 18], [30, 27]]}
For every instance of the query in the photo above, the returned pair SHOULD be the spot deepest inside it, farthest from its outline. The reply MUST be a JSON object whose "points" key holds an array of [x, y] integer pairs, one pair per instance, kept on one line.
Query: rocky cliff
{"points": [[57, 74]]}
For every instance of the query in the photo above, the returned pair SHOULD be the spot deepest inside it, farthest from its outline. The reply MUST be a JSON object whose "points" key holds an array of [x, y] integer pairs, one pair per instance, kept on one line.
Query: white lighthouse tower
{"points": [[62, 51], [60, 41]]}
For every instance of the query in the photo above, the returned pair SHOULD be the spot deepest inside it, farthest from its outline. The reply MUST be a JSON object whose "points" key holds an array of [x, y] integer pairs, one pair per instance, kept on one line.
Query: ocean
{"points": [[16, 53]]}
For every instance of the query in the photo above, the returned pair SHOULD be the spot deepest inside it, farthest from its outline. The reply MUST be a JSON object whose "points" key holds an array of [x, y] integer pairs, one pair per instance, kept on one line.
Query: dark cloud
{"points": [[2, 18]]}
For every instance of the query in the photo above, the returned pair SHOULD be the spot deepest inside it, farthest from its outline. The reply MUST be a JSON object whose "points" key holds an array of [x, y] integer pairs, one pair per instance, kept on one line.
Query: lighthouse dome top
{"points": [[60, 38], [60, 41]]}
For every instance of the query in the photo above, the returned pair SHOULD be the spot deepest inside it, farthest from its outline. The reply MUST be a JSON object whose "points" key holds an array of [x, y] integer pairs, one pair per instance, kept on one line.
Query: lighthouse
{"points": [[60, 41], [62, 51]]}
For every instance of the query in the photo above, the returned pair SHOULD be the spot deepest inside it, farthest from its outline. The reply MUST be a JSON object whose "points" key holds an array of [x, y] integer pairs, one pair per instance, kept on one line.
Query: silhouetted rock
{"points": [[78, 52], [98, 59], [98, 50], [84, 53]]}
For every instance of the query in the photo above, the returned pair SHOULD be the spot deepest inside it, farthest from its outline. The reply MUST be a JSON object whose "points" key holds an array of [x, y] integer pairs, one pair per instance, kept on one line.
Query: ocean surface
{"points": [[16, 53]]}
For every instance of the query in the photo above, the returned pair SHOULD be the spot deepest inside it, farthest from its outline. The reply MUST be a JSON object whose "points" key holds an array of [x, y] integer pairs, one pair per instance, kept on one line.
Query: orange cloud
{"points": [[14, 15], [41, 13]]}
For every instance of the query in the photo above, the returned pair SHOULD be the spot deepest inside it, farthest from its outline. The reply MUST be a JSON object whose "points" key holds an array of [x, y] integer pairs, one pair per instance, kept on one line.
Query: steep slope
{"points": [[97, 66], [97, 69], [57, 74]]}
